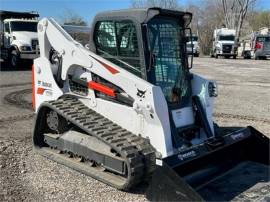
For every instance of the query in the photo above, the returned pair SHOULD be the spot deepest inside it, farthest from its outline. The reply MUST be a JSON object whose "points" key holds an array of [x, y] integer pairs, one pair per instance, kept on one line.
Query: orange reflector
{"points": [[101, 88], [110, 68], [40, 91], [33, 88]]}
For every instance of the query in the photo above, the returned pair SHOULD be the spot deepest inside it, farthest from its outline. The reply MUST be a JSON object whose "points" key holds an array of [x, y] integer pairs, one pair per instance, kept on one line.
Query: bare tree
{"points": [[235, 12], [212, 14], [70, 17], [209, 15], [169, 4], [258, 19], [206, 17]]}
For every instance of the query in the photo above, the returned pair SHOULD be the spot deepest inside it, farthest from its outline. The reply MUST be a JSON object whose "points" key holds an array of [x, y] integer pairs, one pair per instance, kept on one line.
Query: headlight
{"points": [[25, 48], [212, 89]]}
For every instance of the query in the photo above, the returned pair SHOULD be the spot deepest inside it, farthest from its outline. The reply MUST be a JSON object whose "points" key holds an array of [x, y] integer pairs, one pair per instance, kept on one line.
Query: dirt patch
{"points": [[17, 98]]}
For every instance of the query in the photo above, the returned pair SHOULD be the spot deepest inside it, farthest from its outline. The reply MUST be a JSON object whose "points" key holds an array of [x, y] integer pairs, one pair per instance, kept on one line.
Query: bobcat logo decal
{"points": [[141, 93]]}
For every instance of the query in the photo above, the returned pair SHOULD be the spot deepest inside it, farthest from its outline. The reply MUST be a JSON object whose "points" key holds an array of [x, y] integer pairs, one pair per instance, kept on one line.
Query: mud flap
{"points": [[166, 185]]}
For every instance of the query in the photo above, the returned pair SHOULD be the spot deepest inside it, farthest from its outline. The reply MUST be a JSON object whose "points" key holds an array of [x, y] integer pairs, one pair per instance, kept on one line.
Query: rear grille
{"points": [[34, 44], [226, 48]]}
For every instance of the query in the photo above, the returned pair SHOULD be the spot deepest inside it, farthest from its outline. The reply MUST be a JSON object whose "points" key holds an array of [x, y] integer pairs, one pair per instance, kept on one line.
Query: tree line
{"points": [[208, 15]]}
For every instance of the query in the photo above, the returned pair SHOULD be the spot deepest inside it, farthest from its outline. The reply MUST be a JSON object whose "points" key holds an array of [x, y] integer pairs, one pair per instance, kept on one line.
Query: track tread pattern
{"points": [[138, 152]]}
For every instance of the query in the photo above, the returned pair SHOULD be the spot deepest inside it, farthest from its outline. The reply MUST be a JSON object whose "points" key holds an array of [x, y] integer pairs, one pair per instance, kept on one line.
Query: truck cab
{"points": [[224, 43], [193, 46], [261, 46], [19, 39]]}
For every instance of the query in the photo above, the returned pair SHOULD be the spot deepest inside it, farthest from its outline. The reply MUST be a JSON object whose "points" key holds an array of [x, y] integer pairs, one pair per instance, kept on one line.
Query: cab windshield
{"points": [[263, 39], [23, 26], [226, 38], [167, 48]]}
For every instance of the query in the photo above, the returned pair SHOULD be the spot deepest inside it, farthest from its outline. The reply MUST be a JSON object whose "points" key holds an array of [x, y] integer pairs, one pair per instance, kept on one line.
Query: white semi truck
{"points": [[224, 43], [18, 37]]}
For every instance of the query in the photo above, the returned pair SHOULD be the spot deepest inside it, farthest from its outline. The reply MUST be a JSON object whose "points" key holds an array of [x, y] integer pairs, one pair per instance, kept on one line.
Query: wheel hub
{"points": [[53, 120]]}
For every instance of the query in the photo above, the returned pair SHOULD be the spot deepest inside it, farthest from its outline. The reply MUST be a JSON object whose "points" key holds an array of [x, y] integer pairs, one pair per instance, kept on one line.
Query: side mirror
{"points": [[187, 39], [190, 61], [151, 55], [153, 59]]}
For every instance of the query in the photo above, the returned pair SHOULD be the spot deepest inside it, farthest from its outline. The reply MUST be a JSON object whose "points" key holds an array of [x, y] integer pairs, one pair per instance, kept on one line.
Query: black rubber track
{"points": [[138, 153]]}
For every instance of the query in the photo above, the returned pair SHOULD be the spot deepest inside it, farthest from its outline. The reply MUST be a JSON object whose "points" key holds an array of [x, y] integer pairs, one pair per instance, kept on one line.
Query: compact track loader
{"points": [[127, 109]]}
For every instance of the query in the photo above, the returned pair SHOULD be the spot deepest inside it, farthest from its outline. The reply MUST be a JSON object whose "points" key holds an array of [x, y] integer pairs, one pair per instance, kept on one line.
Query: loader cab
{"points": [[150, 43]]}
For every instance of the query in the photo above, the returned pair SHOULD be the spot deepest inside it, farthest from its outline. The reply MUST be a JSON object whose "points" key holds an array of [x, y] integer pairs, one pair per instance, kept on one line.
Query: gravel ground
{"points": [[244, 99], [244, 91]]}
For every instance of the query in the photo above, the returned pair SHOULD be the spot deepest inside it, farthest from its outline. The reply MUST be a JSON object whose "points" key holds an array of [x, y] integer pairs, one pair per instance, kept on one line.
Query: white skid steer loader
{"points": [[127, 109]]}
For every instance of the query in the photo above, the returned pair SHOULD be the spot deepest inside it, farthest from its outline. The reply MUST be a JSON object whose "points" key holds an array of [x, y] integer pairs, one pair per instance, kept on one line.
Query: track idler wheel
{"points": [[56, 123]]}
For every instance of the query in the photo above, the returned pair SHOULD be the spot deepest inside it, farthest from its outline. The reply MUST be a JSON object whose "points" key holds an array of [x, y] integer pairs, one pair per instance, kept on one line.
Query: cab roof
{"points": [[20, 20], [142, 15], [12, 14]]}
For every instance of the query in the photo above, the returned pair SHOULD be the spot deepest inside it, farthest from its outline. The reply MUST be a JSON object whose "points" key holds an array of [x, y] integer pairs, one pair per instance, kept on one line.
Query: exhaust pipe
{"points": [[218, 170]]}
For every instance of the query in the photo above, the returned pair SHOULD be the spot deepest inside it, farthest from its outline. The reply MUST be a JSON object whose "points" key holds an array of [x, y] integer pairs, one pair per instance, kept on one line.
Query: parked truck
{"points": [[224, 43], [256, 45], [18, 36], [193, 46], [244, 47]]}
